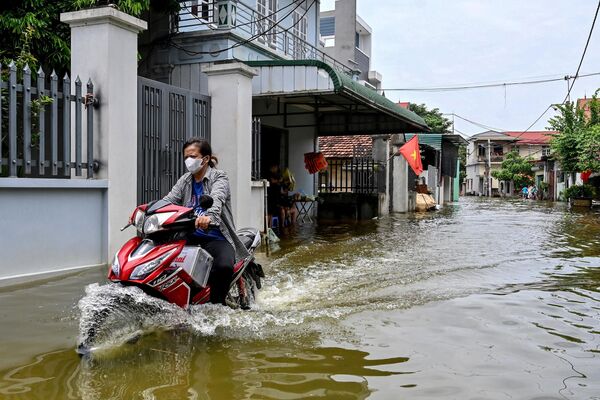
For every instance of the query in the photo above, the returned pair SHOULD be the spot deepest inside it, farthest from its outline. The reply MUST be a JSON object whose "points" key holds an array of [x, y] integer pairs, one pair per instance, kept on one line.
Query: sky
{"points": [[434, 43]]}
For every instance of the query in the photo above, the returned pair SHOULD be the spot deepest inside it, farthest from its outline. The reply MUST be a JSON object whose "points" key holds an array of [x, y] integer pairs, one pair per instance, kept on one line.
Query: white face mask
{"points": [[193, 164]]}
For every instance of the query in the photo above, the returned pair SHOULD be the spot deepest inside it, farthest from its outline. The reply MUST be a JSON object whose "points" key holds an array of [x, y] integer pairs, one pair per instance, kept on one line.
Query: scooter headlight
{"points": [[116, 266], [145, 269], [154, 222], [138, 220]]}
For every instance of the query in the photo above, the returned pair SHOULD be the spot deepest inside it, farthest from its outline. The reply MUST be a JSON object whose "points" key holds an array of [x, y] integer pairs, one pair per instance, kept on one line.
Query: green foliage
{"points": [[434, 118], [577, 146], [588, 145], [516, 169], [462, 156], [578, 191], [31, 31]]}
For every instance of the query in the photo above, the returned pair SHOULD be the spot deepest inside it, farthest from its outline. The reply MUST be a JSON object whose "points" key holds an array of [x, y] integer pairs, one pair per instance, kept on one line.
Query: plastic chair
{"points": [[275, 222]]}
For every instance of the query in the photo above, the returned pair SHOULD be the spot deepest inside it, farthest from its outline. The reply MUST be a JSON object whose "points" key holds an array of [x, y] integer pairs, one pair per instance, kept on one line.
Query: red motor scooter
{"points": [[160, 261]]}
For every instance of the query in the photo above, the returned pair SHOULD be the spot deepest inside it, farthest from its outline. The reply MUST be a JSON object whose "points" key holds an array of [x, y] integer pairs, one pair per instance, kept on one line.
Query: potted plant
{"points": [[580, 195]]}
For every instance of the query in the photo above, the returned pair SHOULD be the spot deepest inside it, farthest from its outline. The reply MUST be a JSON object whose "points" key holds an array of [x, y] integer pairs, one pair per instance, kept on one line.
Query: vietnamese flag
{"points": [[410, 151]]}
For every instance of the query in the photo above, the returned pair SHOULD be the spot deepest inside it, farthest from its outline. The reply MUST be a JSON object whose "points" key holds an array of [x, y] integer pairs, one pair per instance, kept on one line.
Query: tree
{"points": [[515, 169], [577, 146], [568, 123], [31, 31], [434, 118], [588, 144]]}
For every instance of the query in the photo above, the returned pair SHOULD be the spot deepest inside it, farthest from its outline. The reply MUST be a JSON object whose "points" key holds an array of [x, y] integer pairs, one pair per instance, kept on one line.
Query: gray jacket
{"points": [[216, 184]]}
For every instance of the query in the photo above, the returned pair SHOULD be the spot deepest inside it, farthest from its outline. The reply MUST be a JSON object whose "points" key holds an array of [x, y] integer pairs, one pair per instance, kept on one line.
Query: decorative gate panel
{"points": [[167, 117]]}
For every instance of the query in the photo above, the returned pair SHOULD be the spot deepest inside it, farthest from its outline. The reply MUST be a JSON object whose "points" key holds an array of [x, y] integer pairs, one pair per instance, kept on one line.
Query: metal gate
{"points": [[167, 117]]}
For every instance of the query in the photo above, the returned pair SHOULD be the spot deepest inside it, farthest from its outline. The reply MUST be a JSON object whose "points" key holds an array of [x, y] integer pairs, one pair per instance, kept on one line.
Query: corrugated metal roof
{"points": [[433, 140], [344, 84]]}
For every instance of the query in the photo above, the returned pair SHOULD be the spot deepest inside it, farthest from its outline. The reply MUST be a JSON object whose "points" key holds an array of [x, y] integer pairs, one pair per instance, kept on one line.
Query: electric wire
{"points": [[574, 78], [489, 85], [491, 128], [583, 55], [253, 37], [209, 24]]}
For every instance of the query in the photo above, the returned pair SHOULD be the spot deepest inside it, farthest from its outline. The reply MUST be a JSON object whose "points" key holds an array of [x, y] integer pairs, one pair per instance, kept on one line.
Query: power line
{"points": [[490, 85], [253, 37], [478, 123], [583, 55], [208, 24], [574, 78]]}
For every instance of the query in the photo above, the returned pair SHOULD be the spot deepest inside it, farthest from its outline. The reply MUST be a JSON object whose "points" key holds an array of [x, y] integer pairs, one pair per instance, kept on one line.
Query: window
{"points": [[481, 151], [201, 10], [266, 21], [357, 40], [300, 24]]}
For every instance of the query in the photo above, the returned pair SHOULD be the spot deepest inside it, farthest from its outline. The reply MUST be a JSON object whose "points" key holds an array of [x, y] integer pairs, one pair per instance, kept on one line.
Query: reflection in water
{"points": [[180, 365]]}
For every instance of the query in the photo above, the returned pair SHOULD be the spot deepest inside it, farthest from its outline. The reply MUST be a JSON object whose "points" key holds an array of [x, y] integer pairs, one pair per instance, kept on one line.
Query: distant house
{"points": [[584, 104], [486, 152], [344, 155]]}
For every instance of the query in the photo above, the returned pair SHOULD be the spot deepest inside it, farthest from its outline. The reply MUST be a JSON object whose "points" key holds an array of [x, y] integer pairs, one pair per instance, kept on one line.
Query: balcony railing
{"points": [[200, 15], [362, 62]]}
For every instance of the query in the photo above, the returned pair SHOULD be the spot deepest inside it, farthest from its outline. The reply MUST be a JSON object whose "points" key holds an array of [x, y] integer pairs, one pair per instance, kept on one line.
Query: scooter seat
{"points": [[250, 237]]}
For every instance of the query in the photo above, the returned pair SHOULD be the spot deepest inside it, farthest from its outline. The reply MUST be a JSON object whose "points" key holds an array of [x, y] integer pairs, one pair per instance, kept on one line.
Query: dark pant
{"points": [[222, 268]]}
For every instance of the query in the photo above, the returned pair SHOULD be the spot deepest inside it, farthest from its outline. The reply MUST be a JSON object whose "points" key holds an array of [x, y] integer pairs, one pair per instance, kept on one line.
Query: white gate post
{"points": [[230, 91], [104, 49]]}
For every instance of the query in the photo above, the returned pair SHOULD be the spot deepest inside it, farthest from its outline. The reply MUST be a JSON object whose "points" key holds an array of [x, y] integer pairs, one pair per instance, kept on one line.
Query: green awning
{"points": [[433, 140], [383, 114]]}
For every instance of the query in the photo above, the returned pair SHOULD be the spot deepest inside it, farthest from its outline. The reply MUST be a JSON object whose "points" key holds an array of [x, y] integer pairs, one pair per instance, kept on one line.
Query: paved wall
{"points": [[51, 225]]}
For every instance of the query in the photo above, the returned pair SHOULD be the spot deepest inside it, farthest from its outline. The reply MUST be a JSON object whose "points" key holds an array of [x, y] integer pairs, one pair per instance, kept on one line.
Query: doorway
{"points": [[274, 146]]}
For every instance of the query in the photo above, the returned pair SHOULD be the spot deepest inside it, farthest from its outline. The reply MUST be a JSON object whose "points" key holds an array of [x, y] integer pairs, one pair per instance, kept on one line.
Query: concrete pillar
{"points": [[381, 151], [104, 49], [230, 89], [400, 188]]}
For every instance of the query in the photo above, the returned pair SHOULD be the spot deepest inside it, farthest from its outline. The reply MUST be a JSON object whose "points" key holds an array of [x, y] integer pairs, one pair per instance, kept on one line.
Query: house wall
{"points": [[51, 225], [345, 31], [302, 140]]}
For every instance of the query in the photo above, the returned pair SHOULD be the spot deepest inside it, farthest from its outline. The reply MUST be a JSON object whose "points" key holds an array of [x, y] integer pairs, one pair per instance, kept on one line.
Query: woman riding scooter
{"points": [[220, 240]]}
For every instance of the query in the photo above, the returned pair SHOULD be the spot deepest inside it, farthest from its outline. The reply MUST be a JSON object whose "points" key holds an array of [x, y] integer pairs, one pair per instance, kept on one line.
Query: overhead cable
{"points": [[253, 37], [574, 78], [490, 85]]}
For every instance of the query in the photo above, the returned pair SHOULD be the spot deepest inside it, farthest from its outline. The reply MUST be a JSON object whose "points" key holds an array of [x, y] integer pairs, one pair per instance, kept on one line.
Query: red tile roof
{"points": [[343, 146], [533, 137], [404, 104]]}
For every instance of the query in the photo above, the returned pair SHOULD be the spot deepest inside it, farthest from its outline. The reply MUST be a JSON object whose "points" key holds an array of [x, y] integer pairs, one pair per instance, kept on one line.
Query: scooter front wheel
{"points": [[242, 293]]}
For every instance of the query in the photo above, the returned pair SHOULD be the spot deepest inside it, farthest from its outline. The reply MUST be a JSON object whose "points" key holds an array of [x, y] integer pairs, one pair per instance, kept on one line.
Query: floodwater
{"points": [[484, 299]]}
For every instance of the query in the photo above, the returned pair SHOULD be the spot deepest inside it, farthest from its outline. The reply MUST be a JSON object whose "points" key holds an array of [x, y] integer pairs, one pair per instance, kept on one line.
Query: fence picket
{"points": [[66, 125], [54, 123], [78, 143], [41, 92], [12, 120], [90, 128], [24, 109], [27, 118], [1, 119]]}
